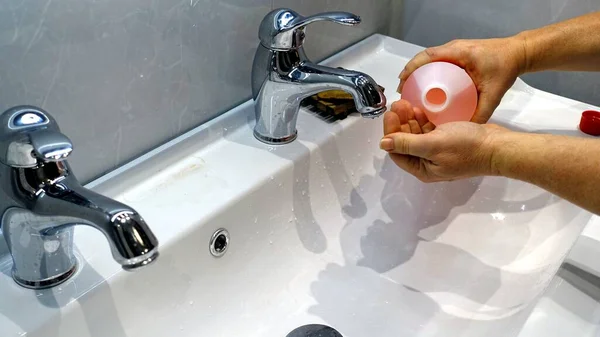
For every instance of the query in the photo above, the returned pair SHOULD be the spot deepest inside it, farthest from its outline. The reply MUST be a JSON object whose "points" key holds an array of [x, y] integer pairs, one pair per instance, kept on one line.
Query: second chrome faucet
{"points": [[282, 76], [41, 201]]}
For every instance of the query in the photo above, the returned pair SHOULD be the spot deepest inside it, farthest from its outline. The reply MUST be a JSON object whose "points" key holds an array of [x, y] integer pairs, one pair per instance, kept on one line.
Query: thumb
{"points": [[447, 52], [419, 145], [486, 105]]}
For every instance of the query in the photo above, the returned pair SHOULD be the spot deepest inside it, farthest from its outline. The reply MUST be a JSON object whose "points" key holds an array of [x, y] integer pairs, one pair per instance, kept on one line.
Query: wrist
{"points": [[518, 45], [501, 146]]}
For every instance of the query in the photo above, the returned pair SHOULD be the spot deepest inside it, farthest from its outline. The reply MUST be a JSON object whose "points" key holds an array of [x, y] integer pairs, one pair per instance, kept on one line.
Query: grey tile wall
{"points": [[123, 76], [434, 22]]}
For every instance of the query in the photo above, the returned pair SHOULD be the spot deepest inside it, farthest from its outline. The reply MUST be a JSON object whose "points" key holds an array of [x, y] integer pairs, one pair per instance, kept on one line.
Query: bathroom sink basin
{"points": [[325, 230]]}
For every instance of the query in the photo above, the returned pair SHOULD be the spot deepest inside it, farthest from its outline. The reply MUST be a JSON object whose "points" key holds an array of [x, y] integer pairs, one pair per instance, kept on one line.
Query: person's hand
{"points": [[451, 151], [493, 64], [403, 117]]}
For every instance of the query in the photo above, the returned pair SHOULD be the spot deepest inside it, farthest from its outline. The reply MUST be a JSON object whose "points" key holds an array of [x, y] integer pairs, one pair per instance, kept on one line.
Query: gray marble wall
{"points": [[123, 76], [434, 22]]}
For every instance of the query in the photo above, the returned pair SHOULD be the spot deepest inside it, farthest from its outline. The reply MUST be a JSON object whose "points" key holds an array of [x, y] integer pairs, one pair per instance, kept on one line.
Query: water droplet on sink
{"points": [[322, 185], [191, 302], [180, 328], [272, 177], [303, 192], [324, 167], [279, 184], [369, 140], [256, 220], [224, 129], [270, 242]]}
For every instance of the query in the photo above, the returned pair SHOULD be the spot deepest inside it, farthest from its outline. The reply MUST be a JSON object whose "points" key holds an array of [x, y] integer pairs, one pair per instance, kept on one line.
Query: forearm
{"points": [[566, 166], [569, 45]]}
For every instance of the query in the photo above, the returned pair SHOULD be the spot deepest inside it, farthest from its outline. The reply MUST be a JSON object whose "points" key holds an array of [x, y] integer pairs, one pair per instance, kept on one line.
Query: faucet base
{"points": [[276, 141], [47, 283]]}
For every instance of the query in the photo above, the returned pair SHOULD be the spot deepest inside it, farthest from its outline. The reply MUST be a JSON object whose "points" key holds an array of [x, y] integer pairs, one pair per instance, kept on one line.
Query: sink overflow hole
{"points": [[219, 242]]}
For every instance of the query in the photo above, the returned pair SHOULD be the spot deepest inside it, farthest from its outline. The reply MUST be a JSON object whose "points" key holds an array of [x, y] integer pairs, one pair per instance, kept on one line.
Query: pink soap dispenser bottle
{"points": [[444, 91]]}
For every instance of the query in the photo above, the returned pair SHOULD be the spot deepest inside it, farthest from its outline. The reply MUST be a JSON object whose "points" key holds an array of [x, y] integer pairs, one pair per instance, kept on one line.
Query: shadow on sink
{"points": [[309, 231], [422, 212], [398, 264], [97, 306]]}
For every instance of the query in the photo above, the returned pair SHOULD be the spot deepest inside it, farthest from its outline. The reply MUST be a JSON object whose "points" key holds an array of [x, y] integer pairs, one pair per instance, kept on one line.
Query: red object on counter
{"points": [[590, 122]]}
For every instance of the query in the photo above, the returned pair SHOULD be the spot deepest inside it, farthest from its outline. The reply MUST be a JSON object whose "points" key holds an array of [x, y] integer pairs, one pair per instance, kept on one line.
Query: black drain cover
{"points": [[314, 330]]}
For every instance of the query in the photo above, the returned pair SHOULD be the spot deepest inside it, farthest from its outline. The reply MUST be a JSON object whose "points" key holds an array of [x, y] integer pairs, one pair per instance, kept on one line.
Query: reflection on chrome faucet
{"points": [[42, 200], [282, 76]]}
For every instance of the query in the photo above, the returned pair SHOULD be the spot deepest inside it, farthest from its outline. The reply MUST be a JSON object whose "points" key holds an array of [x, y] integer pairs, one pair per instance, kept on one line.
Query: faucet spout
{"points": [[369, 99], [131, 241]]}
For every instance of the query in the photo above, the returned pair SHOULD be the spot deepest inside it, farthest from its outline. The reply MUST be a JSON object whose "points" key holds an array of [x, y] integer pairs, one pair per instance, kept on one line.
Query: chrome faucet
{"points": [[41, 201], [282, 76]]}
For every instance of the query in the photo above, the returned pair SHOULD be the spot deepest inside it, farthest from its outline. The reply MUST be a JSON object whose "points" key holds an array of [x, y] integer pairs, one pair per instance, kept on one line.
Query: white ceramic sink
{"points": [[323, 230]]}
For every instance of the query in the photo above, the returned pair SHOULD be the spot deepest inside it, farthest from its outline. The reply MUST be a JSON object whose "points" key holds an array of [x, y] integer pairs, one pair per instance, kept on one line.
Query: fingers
{"points": [[448, 52], [391, 123], [404, 121], [403, 117], [424, 123], [404, 111], [409, 144], [414, 126]]}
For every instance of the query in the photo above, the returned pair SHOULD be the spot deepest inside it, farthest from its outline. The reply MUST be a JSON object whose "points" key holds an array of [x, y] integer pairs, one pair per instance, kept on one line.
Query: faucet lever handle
{"points": [[50, 146], [283, 29], [342, 18], [29, 135]]}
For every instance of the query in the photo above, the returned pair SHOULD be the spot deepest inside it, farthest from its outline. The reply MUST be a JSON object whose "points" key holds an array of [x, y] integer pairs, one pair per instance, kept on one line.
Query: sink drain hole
{"points": [[314, 330], [219, 242]]}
